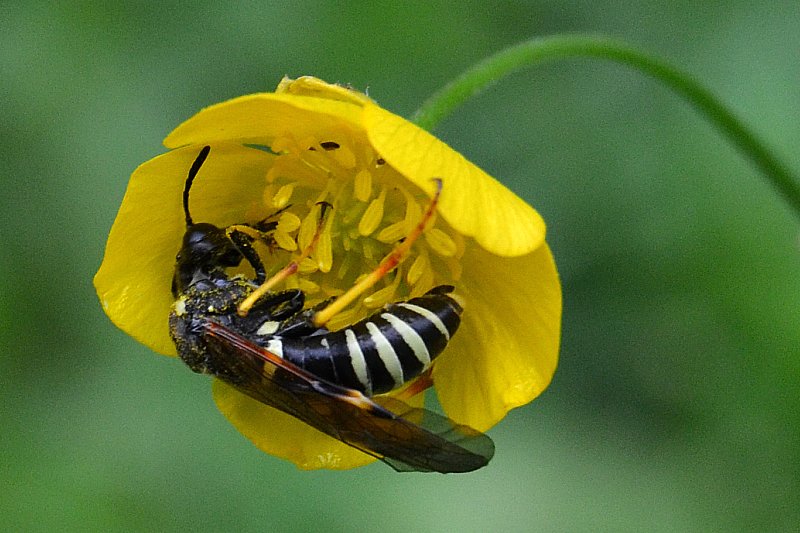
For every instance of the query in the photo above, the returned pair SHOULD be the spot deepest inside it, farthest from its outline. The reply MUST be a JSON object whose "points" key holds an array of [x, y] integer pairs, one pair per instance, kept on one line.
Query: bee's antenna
{"points": [[201, 158]]}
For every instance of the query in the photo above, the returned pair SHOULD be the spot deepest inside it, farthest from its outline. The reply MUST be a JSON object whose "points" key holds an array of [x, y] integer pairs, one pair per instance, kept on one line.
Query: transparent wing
{"points": [[405, 438]]}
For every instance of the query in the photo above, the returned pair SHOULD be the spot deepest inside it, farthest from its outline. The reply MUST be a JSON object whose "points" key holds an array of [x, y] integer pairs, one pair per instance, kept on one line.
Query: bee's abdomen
{"points": [[383, 351]]}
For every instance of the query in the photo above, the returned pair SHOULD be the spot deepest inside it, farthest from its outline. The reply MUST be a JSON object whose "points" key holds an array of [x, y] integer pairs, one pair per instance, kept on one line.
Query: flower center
{"points": [[374, 208]]}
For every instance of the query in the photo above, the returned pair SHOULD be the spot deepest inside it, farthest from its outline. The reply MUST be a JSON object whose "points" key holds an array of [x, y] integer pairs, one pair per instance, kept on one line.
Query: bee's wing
{"points": [[405, 438]]}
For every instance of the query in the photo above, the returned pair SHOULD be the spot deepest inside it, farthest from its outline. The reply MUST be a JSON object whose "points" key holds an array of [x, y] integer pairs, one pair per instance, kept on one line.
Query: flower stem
{"points": [[541, 50]]}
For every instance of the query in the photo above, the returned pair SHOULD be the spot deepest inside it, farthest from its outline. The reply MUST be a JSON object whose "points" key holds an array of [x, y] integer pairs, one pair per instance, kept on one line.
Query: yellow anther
{"points": [[393, 232], [424, 283], [307, 286], [343, 319], [288, 222], [373, 215], [284, 240], [329, 291], [417, 268], [440, 242], [362, 185], [345, 265], [307, 228], [324, 251], [307, 266], [383, 296], [368, 250], [283, 195]]}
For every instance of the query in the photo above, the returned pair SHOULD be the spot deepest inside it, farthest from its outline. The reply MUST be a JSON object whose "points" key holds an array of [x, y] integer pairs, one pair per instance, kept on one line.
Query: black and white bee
{"points": [[278, 356]]}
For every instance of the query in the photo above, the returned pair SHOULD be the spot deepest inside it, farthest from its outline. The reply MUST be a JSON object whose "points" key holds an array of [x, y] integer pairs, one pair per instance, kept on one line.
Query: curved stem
{"points": [[540, 50]]}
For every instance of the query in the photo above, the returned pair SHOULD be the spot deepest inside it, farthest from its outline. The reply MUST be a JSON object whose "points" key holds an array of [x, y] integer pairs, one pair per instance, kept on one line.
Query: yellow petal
{"points": [[260, 118], [473, 202], [506, 351], [134, 280], [277, 433], [311, 86]]}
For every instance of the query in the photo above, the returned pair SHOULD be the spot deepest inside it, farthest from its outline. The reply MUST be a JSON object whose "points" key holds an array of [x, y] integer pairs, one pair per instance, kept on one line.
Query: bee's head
{"points": [[206, 249]]}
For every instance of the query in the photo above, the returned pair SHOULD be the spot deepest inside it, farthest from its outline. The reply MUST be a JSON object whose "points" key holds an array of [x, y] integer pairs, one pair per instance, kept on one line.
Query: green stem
{"points": [[540, 50]]}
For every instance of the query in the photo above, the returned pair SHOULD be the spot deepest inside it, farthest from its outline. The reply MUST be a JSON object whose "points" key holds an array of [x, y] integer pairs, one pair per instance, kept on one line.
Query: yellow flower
{"points": [[312, 141]]}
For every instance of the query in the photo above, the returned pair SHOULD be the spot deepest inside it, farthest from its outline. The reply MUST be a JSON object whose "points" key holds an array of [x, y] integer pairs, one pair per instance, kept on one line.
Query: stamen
{"points": [[307, 228], [378, 216], [368, 250], [424, 283], [283, 195], [307, 286], [329, 291], [362, 185], [393, 232], [413, 210], [284, 240], [324, 250], [383, 296], [288, 270], [345, 318], [341, 272], [373, 215], [440, 242], [307, 266], [420, 265], [387, 265], [288, 222]]}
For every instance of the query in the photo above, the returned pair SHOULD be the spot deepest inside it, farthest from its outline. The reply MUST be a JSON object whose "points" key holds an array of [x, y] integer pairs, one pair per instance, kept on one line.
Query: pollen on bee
{"points": [[268, 328], [179, 306]]}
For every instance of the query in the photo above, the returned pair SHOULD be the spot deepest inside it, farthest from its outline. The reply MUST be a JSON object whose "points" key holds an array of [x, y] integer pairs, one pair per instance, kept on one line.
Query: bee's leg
{"points": [[269, 223], [289, 269], [302, 324], [243, 240], [270, 313], [386, 265]]}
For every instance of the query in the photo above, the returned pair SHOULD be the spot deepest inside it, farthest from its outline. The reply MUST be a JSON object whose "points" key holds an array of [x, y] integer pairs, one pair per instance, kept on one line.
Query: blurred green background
{"points": [[675, 406]]}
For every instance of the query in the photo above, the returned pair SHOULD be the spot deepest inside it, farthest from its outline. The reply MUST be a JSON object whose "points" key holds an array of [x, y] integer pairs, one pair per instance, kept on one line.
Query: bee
{"points": [[276, 353]]}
